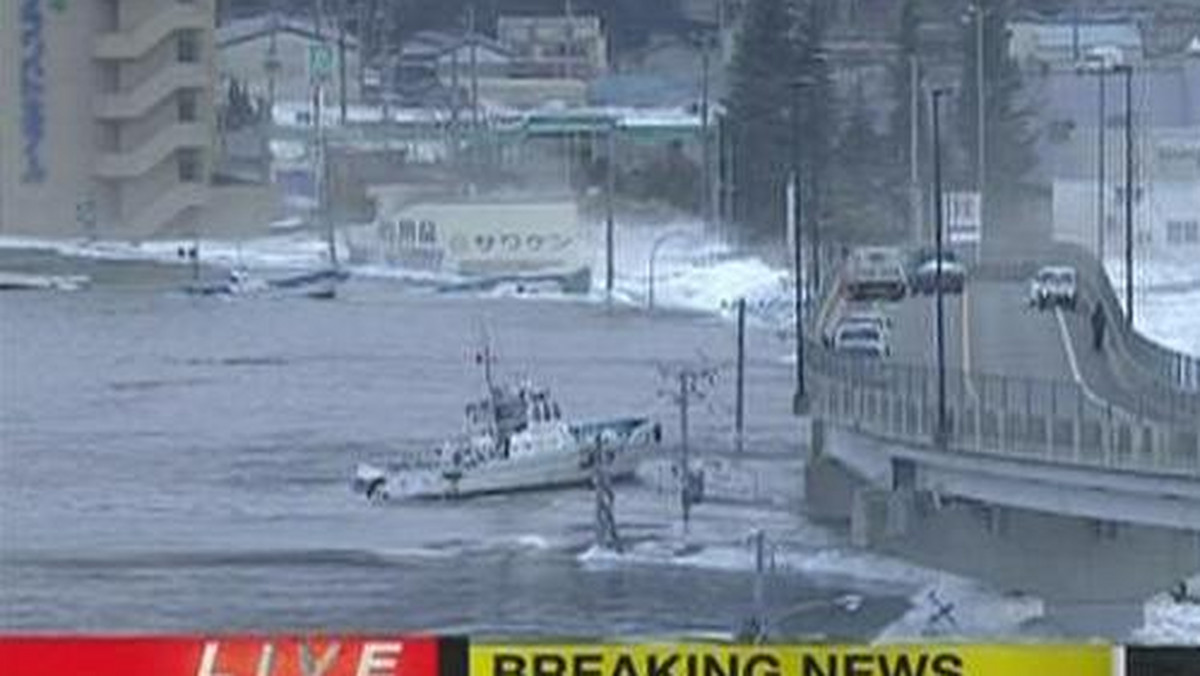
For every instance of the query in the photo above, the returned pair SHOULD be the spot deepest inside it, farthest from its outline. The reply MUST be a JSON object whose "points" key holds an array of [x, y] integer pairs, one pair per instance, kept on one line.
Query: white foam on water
{"points": [[1167, 620]]}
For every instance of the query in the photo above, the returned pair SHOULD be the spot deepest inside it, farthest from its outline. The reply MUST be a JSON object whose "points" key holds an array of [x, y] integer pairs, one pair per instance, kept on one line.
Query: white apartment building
{"points": [[110, 118]]}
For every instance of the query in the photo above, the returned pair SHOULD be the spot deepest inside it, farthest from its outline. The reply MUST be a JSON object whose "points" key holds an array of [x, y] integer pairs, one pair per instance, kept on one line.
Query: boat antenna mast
{"points": [[486, 357]]}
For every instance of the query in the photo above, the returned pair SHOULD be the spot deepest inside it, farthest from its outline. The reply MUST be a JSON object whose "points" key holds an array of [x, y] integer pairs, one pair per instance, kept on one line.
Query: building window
{"points": [[1183, 232], [189, 165], [187, 105], [189, 47], [111, 16]]}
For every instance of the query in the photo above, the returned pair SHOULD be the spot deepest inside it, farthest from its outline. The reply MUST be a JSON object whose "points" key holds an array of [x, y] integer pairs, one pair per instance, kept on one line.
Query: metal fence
{"points": [[1025, 418]]}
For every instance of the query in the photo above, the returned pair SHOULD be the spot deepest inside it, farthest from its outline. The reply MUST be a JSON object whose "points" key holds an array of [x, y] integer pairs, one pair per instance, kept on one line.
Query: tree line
{"points": [[854, 173]]}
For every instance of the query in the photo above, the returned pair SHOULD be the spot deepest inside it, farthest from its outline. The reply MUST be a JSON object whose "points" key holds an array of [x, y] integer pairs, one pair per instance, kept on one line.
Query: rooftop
{"points": [[252, 28]]}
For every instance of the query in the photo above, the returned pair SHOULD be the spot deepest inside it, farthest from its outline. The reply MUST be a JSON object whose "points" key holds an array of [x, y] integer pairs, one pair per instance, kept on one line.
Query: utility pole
{"points": [[914, 117], [272, 64], [318, 22], [759, 623], [940, 434], [739, 408], [341, 20], [609, 226], [1101, 162], [685, 470], [607, 536], [691, 383], [385, 51], [981, 109], [706, 159], [473, 61], [799, 398], [1128, 71]]}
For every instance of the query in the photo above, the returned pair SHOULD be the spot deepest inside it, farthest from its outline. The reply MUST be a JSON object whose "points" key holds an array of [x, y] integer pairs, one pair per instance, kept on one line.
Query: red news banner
{"points": [[221, 656]]}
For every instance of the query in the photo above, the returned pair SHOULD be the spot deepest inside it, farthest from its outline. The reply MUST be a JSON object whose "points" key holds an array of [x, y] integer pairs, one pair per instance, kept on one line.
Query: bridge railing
{"points": [[1012, 417]]}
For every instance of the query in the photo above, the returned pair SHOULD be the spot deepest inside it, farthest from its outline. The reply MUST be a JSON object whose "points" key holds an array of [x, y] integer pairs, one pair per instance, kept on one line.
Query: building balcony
{"points": [[146, 156], [136, 102], [131, 44], [154, 219]]}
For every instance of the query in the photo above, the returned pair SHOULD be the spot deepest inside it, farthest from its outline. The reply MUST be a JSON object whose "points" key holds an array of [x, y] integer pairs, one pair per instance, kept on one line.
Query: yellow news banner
{"points": [[786, 660]]}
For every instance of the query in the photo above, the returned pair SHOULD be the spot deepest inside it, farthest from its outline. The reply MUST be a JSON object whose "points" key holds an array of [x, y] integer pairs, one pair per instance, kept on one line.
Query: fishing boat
{"points": [[516, 439]]}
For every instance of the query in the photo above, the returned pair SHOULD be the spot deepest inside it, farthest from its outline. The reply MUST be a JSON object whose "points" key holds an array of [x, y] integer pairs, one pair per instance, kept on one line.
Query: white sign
{"points": [[963, 217]]}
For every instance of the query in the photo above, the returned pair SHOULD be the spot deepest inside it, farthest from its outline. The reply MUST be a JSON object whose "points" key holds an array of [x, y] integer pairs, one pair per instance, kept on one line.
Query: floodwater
{"points": [[178, 463]]}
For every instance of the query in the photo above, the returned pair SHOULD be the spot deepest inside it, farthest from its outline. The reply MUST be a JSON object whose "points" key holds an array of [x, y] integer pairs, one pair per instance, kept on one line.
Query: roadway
{"points": [[990, 330]]}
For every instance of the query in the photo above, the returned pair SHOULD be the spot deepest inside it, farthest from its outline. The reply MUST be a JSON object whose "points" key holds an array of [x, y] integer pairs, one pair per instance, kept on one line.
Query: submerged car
{"points": [[1054, 286]]}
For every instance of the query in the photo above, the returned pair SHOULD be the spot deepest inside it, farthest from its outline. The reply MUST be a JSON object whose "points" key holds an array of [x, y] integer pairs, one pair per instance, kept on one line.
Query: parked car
{"points": [[862, 339], [1053, 286], [923, 278], [875, 272]]}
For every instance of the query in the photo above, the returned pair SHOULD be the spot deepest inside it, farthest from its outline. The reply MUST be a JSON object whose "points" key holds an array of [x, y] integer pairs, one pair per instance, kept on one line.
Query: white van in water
{"points": [[876, 272]]}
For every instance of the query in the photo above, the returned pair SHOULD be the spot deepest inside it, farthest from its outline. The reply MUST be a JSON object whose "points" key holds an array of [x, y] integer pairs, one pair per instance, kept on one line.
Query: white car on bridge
{"points": [[1053, 286], [866, 339]]}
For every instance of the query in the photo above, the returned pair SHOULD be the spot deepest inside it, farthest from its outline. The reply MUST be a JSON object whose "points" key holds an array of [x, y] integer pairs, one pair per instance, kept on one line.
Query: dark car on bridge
{"points": [[922, 273]]}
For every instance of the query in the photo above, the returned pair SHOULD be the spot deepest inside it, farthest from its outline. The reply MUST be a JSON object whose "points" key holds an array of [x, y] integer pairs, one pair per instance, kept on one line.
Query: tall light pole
{"points": [[800, 398], [706, 141], [1096, 64], [610, 182], [1101, 163], [820, 59], [981, 109], [1127, 70], [914, 114], [941, 432]]}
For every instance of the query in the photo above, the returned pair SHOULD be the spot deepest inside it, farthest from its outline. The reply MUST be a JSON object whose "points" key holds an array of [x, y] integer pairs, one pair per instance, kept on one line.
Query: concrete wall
{"points": [[1093, 575], [235, 211]]}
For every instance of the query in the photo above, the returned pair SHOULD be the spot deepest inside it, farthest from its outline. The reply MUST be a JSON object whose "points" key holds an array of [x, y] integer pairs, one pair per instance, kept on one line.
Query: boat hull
{"points": [[535, 472]]}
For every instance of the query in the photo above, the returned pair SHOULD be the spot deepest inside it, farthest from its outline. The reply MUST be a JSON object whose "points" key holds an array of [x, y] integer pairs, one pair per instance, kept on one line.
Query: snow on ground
{"points": [[1168, 620], [1166, 299], [1171, 318], [943, 605]]}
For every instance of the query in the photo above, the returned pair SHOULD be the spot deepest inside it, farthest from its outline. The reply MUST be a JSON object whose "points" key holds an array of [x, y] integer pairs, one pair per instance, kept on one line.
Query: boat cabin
{"points": [[508, 411]]}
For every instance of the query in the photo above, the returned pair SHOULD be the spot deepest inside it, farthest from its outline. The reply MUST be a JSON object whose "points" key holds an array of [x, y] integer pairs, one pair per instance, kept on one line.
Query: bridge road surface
{"points": [[1003, 336]]}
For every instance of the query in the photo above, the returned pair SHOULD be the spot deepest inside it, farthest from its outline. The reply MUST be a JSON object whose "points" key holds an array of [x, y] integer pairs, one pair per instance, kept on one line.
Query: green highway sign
{"points": [[320, 62]]}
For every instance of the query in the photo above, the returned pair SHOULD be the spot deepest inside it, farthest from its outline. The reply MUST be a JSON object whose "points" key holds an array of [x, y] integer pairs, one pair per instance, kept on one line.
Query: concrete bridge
{"points": [[1065, 471]]}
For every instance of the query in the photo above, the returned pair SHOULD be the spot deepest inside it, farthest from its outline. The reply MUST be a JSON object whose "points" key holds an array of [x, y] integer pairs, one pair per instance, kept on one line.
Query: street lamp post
{"points": [[1127, 70], [609, 226], [1096, 64], [981, 112], [978, 13], [1100, 167], [706, 140], [940, 433], [800, 398]]}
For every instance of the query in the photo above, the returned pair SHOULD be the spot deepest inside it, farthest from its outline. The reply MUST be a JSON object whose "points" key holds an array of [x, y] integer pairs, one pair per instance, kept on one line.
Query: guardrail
{"points": [[1017, 418]]}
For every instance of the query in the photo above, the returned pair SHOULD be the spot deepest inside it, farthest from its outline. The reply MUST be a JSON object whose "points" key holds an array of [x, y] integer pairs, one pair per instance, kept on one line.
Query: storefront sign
{"points": [[33, 117]]}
